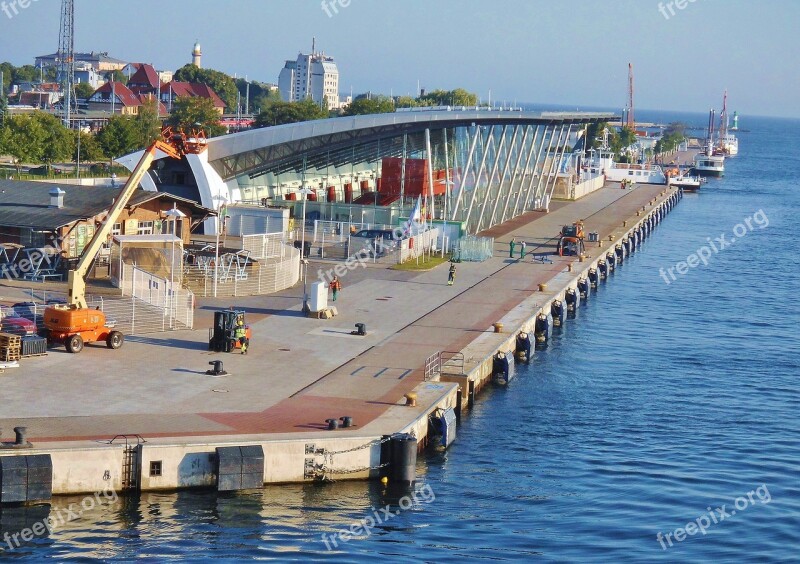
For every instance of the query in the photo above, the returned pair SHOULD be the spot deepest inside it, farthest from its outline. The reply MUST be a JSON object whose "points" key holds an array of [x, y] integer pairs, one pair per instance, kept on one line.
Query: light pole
{"points": [[220, 211], [305, 191], [78, 160]]}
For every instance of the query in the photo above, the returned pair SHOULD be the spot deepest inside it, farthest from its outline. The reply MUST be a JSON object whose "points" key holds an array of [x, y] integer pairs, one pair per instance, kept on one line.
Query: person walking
{"points": [[451, 275], [522, 249], [335, 286], [511, 248]]}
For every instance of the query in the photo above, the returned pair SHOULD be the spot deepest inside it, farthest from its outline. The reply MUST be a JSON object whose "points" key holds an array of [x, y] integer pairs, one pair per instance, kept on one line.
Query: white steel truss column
{"points": [[549, 193], [465, 170], [504, 174], [516, 169], [553, 164], [429, 211], [544, 177], [489, 142], [495, 167], [447, 202], [534, 176]]}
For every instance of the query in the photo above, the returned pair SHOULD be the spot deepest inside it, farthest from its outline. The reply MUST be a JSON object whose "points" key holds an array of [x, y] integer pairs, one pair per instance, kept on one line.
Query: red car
{"points": [[17, 326]]}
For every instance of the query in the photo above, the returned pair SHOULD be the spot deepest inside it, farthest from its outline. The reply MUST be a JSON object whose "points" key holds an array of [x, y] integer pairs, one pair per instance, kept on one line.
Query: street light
{"points": [[305, 191]]}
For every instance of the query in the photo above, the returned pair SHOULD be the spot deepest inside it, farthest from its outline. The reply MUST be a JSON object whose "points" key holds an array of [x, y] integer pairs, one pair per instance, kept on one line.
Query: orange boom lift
{"points": [[74, 323]]}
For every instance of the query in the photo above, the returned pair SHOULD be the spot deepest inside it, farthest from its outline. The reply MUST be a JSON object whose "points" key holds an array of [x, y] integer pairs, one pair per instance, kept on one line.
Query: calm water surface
{"points": [[657, 402]]}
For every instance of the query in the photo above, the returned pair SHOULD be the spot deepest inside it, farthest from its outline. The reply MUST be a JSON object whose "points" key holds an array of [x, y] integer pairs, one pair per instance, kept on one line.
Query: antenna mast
{"points": [[66, 57]]}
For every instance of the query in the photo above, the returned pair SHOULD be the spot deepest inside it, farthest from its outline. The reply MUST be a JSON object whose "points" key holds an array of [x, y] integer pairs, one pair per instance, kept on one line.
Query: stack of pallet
{"points": [[10, 347]]}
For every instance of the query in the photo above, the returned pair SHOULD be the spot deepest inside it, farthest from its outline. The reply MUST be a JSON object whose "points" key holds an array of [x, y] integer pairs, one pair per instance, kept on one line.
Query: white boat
{"points": [[686, 182], [729, 145], [602, 162], [706, 164]]}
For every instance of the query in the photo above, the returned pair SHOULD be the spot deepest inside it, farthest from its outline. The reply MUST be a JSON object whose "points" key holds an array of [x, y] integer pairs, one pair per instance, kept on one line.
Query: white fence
{"points": [[418, 245], [155, 294], [258, 278], [130, 315], [265, 246]]}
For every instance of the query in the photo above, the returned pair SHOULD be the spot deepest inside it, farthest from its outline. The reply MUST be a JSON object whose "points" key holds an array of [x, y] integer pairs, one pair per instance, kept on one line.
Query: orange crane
{"points": [[74, 323]]}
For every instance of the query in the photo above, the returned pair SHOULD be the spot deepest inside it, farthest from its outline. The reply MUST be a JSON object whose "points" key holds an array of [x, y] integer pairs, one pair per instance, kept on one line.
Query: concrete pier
{"points": [[148, 417]]}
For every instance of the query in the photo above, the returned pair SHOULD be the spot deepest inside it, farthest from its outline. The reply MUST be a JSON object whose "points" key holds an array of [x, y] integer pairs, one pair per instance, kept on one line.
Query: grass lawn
{"points": [[427, 263]]}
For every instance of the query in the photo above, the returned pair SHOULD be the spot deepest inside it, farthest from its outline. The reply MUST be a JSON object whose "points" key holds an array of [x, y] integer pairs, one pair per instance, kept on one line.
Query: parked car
{"points": [[17, 326], [379, 241], [27, 310]]}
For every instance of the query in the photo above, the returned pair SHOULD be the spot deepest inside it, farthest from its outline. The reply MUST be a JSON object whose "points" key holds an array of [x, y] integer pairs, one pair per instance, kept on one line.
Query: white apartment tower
{"points": [[312, 76]]}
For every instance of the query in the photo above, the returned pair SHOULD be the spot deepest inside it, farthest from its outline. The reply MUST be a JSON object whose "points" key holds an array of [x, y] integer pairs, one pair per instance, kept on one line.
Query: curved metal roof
{"points": [[259, 149]]}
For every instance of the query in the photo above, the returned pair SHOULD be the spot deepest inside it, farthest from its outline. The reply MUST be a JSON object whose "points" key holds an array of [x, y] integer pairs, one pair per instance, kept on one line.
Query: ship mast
{"points": [[631, 122]]}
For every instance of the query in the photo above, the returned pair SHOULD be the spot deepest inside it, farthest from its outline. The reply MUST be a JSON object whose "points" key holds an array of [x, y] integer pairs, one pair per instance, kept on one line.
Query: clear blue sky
{"points": [[560, 51]]}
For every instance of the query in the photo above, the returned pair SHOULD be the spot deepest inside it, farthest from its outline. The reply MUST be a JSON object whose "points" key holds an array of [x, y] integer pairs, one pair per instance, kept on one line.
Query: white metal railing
{"points": [[256, 279]]}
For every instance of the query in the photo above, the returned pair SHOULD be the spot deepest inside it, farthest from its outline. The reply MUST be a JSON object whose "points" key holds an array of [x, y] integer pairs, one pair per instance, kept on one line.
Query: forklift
{"points": [[222, 336], [570, 241]]}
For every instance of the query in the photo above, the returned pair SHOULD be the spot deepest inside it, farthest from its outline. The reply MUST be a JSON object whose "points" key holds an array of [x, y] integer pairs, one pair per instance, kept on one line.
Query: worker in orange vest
{"points": [[335, 286]]}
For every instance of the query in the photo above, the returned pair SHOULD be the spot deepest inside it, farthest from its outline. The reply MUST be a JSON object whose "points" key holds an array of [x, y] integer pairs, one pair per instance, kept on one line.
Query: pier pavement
{"points": [[299, 371]]}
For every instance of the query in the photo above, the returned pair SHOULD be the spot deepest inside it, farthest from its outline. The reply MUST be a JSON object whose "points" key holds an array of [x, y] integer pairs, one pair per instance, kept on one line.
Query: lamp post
{"points": [[305, 191], [223, 200]]}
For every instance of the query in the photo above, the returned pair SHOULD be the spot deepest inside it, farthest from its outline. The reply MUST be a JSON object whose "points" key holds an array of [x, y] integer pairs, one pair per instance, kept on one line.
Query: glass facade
{"points": [[480, 173]]}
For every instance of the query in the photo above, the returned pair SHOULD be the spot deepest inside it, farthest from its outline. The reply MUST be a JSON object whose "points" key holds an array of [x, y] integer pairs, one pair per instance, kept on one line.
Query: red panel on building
{"points": [[416, 179]]}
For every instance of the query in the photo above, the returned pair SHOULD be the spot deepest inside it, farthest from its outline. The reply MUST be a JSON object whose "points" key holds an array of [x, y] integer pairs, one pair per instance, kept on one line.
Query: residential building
{"points": [[100, 62], [85, 72], [31, 216], [145, 81], [174, 90], [313, 76], [116, 98]]}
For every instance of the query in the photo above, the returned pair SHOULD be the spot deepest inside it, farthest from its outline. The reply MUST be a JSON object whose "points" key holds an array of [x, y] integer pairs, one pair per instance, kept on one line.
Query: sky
{"points": [[685, 53]]}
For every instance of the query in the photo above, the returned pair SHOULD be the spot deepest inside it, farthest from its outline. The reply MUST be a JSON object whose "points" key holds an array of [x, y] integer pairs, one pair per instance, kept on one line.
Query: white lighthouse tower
{"points": [[196, 55]]}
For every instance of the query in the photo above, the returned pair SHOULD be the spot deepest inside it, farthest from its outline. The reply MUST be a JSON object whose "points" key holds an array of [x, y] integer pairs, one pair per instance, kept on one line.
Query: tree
{"points": [[117, 76], [8, 75], [26, 73], [3, 109], [627, 136], [91, 150], [405, 102], [594, 135], [83, 90], [457, 97], [196, 113], [220, 82], [148, 122], [36, 138], [120, 136], [278, 113], [370, 105]]}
